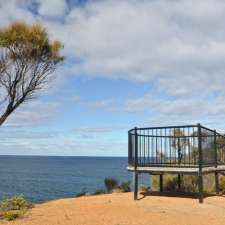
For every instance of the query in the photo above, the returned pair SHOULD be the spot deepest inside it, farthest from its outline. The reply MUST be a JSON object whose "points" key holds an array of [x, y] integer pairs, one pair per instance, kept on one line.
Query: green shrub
{"points": [[11, 215], [222, 184], [110, 183], [82, 193], [14, 207], [14, 203], [144, 188], [170, 183], [99, 192], [125, 186], [118, 190], [190, 183]]}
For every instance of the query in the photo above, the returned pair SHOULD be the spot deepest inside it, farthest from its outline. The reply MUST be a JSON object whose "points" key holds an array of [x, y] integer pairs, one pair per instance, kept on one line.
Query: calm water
{"points": [[41, 178]]}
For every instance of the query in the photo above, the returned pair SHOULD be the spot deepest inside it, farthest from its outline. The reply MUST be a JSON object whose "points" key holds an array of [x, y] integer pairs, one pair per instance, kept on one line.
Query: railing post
{"points": [[130, 149], [161, 183], [136, 148], [179, 151], [215, 149], [129, 152], [200, 161], [135, 178], [216, 164]]}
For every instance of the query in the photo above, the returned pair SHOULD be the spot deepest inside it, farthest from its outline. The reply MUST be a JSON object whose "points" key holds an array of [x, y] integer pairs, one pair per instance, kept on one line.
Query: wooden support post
{"points": [[179, 181], [217, 183], [161, 182], [200, 188], [135, 183], [150, 181]]}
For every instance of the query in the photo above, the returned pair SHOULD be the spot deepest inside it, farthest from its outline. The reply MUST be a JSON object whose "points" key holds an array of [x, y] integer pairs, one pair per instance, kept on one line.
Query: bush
{"points": [[190, 183], [144, 188], [14, 207], [125, 186], [110, 184], [99, 192], [80, 194], [11, 215], [222, 184], [170, 183], [14, 203], [117, 190]]}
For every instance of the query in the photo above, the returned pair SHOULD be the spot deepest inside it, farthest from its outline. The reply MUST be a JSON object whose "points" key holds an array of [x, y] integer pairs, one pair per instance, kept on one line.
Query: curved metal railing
{"points": [[181, 146]]}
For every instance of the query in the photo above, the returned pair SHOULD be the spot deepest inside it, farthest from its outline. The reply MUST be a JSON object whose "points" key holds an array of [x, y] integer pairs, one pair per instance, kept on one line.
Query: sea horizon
{"points": [[44, 178], [66, 156]]}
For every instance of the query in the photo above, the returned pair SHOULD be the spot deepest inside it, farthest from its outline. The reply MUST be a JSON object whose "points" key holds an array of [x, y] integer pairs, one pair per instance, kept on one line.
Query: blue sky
{"points": [[128, 63]]}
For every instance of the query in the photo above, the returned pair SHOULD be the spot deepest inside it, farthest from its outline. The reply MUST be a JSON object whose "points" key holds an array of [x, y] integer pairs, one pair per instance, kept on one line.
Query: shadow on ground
{"points": [[175, 194]]}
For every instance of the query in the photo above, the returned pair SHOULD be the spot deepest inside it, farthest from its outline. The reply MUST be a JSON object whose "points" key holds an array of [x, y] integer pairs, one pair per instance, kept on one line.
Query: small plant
{"points": [[117, 190], [144, 188], [125, 186], [80, 194], [14, 207], [110, 184], [99, 192], [14, 203], [189, 183], [170, 183], [222, 184], [11, 215]]}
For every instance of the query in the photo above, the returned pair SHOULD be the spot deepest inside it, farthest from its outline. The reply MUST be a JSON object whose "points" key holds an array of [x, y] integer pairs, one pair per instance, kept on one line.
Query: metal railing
{"points": [[176, 146]]}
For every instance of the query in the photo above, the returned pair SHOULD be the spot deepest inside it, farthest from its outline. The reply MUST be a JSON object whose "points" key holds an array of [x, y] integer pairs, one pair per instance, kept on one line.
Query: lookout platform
{"points": [[191, 149]]}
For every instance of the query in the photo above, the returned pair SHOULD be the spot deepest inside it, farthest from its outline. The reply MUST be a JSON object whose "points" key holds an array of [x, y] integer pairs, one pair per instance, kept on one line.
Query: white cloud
{"points": [[33, 113], [11, 10], [161, 110], [179, 45], [147, 40], [52, 8]]}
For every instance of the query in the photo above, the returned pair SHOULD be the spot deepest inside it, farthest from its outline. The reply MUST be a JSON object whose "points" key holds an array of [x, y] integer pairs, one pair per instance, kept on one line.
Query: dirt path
{"points": [[120, 209]]}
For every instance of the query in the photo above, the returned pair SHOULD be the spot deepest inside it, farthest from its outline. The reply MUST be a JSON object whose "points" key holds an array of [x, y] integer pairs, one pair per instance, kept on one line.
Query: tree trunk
{"points": [[5, 116]]}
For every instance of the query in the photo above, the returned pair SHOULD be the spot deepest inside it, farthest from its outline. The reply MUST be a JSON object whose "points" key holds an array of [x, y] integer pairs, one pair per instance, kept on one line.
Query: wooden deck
{"points": [[183, 170]]}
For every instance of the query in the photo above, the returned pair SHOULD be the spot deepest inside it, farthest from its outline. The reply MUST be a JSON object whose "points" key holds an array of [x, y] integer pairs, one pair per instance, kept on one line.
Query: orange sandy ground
{"points": [[120, 209]]}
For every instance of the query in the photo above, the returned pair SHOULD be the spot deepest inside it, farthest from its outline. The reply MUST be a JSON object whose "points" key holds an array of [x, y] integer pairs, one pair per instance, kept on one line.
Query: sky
{"points": [[127, 63]]}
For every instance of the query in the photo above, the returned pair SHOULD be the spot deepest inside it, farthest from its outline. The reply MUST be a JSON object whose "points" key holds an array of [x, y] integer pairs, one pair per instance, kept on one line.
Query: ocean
{"points": [[43, 178]]}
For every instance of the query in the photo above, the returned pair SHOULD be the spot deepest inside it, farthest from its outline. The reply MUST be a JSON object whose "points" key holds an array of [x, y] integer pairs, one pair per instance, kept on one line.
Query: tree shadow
{"points": [[175, 194]]}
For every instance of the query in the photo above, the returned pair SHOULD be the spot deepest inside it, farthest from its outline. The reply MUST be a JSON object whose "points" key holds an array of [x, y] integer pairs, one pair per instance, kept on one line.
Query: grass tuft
{"points": [[12, 208]]}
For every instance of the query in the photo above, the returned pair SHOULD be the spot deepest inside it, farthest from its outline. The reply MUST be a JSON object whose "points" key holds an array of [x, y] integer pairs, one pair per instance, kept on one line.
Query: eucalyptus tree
{"points": [[28, 59], [179, 143]]}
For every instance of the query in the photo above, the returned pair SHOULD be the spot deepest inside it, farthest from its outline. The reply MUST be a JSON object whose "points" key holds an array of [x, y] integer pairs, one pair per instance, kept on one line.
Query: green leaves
{"points": [[28, 59], [30, 41], [11, 208]]}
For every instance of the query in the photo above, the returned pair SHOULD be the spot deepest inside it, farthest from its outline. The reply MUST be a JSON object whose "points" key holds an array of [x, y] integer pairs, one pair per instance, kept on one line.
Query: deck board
{"points": [[188, 170]]}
